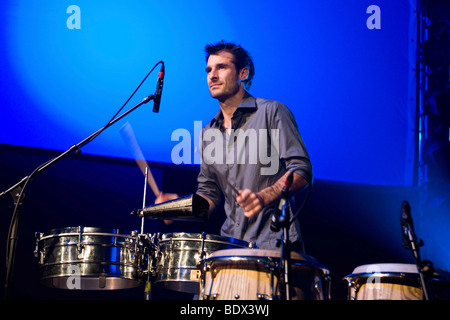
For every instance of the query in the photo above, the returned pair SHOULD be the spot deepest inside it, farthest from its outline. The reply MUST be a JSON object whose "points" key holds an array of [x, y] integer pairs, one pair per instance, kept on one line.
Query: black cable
{"points": [[126, 102], [302, 205]]}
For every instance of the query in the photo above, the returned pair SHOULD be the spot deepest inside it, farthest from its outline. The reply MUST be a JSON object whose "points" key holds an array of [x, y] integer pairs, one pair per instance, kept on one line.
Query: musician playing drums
{"points": [[248, 150]]}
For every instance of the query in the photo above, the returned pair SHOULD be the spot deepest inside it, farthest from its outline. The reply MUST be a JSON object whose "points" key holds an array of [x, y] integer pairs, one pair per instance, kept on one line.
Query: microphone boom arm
{"points": [[76, 147]]}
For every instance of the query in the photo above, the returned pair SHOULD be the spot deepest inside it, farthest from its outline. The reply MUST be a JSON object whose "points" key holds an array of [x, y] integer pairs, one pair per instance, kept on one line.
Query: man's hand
{"points": [[162, 197], [250, 201]]}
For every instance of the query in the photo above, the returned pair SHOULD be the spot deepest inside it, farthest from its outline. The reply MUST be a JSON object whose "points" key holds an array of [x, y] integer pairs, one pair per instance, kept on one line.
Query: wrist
{"points": [[260, 198]]}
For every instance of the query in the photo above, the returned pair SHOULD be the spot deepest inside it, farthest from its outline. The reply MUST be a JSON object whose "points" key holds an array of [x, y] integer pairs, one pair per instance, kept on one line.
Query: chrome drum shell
{"points": [[89, 258], [178, 255]]}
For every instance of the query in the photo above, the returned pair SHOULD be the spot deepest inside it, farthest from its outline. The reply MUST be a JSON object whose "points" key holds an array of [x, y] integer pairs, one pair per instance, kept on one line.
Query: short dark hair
{"points": [[241, 60]]}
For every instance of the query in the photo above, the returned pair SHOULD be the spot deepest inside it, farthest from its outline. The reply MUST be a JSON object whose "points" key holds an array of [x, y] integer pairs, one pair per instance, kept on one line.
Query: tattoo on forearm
{"points": [[268, 195]]}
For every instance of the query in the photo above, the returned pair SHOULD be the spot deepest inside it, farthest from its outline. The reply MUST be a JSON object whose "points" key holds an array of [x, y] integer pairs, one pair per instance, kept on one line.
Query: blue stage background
{"points": [[351, 87], [347, 85]]}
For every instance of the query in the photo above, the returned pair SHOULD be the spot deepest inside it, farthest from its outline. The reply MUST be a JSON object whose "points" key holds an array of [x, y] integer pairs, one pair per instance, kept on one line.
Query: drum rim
{"points": [[87, 281], [386, 268], [261, 252], [402, 275], [90, 262], [221, 255], [212, 238], [86, 231]]}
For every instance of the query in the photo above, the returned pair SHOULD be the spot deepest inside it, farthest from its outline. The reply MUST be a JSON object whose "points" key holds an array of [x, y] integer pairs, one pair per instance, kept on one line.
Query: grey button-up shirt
{"points": [[263, 145]]}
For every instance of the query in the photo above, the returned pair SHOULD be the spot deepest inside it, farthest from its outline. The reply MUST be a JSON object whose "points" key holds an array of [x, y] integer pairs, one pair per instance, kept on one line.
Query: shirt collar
{"points": [[248, 104]]}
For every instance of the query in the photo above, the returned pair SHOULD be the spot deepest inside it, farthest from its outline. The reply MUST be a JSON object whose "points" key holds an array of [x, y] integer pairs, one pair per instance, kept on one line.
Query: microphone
{"points": [[279, 216], [406, 222], [158, 92], [406, 213]]}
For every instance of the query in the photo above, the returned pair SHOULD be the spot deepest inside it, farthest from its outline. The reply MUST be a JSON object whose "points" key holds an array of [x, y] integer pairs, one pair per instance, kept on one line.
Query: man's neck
{"points": [[229, 106]]}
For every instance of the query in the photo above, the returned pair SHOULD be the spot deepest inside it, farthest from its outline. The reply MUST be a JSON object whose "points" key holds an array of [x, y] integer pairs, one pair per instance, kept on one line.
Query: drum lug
{"points": [[80, 253], [318, 289], [135, 241], [262, 296], [356, 286], [148, 242], [38, 236], [202, 252], [80, 236], [214, 296], [39, 254], [80, 244], [328, 287]]}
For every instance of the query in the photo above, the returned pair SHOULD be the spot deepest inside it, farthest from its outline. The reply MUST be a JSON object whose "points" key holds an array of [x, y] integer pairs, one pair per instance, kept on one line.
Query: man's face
{"points": [[223, 80]]}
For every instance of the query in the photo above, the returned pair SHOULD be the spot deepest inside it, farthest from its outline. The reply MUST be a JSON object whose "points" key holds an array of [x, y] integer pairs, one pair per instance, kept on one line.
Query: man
{"points": [[226, 148]]}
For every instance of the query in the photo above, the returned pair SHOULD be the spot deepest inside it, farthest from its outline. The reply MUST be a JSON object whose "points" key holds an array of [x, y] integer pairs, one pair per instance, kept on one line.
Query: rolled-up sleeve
{"points": [[292, 149], [207, 183], [207, 186]]}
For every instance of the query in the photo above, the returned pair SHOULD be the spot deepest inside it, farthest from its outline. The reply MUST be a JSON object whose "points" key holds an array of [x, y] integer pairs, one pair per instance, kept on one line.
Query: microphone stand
{"points": [[285, 258], [283, 222], [410, 241], [415, 244], [14, 229]]}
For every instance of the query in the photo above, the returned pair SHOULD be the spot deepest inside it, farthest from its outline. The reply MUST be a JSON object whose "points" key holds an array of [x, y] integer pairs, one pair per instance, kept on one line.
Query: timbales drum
{"points": [[89, 258], [178, 255]]}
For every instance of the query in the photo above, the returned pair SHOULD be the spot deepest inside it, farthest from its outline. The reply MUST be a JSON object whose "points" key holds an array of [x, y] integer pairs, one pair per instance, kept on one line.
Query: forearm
{"points": [[270, 194]]}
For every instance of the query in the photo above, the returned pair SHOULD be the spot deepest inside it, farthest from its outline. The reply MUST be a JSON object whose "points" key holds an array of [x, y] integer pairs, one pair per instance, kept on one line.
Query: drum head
{"points": [[244, 252], [264, 255], [386, 268]]}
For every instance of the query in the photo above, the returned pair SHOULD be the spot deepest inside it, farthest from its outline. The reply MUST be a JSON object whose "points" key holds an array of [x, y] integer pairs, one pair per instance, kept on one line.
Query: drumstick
{"points": [[221, 176], [131, 141]]}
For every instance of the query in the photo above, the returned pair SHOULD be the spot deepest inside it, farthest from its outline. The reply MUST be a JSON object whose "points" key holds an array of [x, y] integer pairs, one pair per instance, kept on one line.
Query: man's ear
{"points": [[243, 74]]}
